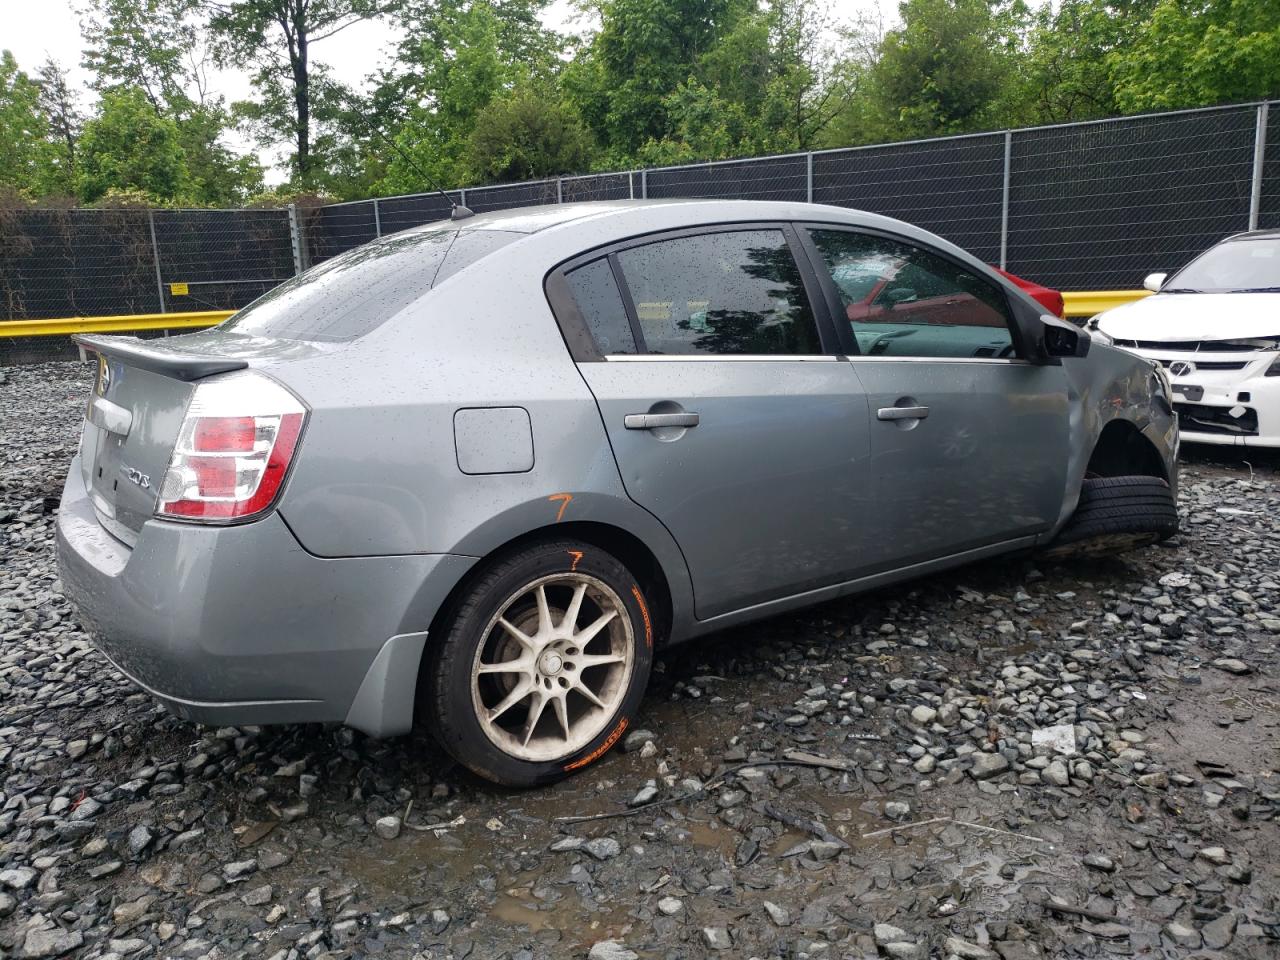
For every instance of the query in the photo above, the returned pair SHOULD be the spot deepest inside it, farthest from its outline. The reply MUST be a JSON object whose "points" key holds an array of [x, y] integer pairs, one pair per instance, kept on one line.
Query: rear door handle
{"points": [[902, 413], [648, 421]]}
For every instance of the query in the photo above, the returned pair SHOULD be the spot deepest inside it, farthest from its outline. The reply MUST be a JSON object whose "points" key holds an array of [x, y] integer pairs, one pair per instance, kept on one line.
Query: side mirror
{"points": [[1058, 339], [1154, 281], [900, 295]]}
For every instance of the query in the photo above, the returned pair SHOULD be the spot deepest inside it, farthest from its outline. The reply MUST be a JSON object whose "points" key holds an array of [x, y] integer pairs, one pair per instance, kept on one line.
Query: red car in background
{"points": [[1048, 298], [874, 287]]}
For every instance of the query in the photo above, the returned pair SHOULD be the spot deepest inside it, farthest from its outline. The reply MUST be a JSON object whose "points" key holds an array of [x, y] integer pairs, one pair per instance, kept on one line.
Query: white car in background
{"points": [[1215, 328]]}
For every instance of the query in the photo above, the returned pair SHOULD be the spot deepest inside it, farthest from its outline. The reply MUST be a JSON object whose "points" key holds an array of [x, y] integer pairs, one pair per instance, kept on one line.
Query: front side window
{"points": [[736, 292], [904, 301]]}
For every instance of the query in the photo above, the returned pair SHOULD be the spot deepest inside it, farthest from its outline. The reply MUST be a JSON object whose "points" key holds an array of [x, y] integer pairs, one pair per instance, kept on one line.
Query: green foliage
{"points": [[526, 135], [1201, 52], [25, 154], [481, 90], [128, 146], [277, 35]]}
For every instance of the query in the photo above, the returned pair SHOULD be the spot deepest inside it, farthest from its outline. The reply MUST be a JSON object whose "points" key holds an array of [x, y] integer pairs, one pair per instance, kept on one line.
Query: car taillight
{"points": [[233, 451]]}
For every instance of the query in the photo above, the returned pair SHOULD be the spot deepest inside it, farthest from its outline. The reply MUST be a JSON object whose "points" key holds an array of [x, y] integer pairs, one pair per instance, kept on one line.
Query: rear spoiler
{"points": [[149, 355]]}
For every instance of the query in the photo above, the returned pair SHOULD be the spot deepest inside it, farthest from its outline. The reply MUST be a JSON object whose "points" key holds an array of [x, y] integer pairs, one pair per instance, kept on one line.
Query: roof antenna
{"points": [[456, 210]]}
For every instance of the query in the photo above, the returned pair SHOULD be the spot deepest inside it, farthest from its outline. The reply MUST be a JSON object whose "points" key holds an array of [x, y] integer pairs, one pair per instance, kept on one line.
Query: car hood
{"points": [[1195, 316]]}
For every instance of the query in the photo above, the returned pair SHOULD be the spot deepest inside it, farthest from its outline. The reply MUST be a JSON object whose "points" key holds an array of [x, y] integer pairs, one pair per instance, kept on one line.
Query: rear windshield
{"points": [[353, 293]]}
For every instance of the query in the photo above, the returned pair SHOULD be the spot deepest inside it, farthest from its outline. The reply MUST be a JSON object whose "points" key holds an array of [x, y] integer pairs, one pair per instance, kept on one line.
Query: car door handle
{"points": [[648, 421], [902, 413]]}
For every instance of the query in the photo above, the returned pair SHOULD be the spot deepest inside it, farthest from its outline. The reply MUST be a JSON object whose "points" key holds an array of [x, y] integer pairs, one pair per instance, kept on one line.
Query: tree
{"points": [[161, 48], [645, 49], [459, 70], [25, 153], [278, 36], [1200, 52], [61, 108], [128, 146], [153, 45], [526, 135], [948, 67]]}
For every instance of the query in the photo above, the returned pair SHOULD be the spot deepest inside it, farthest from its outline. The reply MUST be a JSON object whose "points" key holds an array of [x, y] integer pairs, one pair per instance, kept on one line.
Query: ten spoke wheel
{"points": [[553, 666]]}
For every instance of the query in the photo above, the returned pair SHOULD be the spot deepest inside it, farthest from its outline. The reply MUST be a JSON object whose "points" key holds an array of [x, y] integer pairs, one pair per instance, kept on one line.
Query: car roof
{"points": [[1269, 234]]}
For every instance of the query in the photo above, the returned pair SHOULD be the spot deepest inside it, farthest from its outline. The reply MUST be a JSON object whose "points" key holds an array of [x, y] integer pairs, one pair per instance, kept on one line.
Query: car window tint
{"points": [[904, 301], [597, 296], [359, 290], [736, 292]]}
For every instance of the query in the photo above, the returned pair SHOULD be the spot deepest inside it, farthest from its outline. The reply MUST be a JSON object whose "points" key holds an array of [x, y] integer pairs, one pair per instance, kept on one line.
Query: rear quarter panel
{"points": [[378, 471]]}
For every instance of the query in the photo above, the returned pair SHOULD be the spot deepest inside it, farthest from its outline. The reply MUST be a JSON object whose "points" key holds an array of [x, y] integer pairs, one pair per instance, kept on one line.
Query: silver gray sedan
{"points": [[478, 471]]}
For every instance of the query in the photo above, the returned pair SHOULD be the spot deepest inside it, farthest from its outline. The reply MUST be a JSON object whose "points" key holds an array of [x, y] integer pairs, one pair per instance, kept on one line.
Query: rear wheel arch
{"points": [[628, 548]]}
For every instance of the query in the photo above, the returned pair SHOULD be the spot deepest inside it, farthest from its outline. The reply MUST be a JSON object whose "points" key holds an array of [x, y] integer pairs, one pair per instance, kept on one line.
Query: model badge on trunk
{"points": [[136, 476]]}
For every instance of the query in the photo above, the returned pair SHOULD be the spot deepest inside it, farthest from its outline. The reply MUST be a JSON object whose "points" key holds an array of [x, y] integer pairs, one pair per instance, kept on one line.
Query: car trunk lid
{"points": [[132, 420]]}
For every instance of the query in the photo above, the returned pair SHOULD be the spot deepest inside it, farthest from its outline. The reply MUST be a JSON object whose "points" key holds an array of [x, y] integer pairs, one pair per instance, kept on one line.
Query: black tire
{"points": [[1115, 514], [446, 685]]}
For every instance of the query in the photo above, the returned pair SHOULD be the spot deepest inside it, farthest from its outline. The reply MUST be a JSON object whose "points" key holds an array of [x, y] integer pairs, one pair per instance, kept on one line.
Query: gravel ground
{"points": [[1017, 759]]}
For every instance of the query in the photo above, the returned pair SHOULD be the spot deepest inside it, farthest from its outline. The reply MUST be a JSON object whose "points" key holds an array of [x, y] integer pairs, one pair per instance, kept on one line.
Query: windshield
{"points": [[353, 293], [1231, 267]]}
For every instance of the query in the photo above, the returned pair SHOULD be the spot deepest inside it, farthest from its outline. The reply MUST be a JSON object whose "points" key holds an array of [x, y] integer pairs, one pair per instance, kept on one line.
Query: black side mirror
{"points": [[897, 296], [1058, 338]]}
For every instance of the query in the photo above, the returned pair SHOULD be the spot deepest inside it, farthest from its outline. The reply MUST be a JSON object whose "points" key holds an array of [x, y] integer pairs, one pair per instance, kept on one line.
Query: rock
{"points": [[258, 896], [602, 848], [781, 916], [238, 870], [50, 941], [926, 764], [7, 903], [670, 906], [140, 838], [646, 794], [636, 739], [1219, 933], [388, 828], [1056, 774], [897, 810], [85, 810], [888, 933], [611, 950], [17, 878], [988, 765], [924, 715], [825, 849], [1059, 739], [1232, 665], [966, 950], [343, 932], [77, 749], [716, 938], [1215, 855], [132, 911], [1097, 861], [1182, 936]]}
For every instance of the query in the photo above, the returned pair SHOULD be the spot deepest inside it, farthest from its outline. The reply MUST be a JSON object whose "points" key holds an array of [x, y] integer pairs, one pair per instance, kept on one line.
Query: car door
{"points": [[968, 439], [729, 410]]}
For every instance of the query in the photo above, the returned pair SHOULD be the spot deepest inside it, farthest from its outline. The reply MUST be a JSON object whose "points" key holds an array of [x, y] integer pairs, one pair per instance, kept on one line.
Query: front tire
{"points": [[543, 664], [1116, 514]]}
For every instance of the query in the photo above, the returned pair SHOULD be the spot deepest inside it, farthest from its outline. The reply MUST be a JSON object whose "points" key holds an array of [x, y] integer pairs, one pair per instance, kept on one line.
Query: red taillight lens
{"points": [[229, 465], [225, 434]]}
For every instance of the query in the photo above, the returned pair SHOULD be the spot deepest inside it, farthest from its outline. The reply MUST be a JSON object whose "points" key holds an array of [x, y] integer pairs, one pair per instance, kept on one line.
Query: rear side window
{"points": [[735, 292], [357, 291], [597, 296]]}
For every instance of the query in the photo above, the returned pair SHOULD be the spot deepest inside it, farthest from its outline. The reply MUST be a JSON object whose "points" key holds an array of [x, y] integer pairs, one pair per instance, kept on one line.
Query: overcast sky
{"points": [[34, 29]]}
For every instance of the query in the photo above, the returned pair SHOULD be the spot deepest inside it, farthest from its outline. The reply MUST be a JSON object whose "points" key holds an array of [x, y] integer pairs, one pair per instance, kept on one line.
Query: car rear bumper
{"points": [[239, 624]]}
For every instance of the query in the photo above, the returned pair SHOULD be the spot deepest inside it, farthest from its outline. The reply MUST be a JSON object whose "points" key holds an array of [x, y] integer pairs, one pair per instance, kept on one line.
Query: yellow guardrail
{"points": [[118, 324], [1085, 303], [1078, 303]]}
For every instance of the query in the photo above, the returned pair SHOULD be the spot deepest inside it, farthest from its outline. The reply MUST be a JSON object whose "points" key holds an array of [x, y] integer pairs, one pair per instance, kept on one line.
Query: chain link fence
{"points": [[1093, 205]]}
